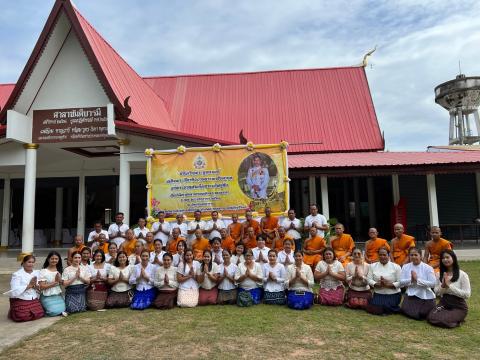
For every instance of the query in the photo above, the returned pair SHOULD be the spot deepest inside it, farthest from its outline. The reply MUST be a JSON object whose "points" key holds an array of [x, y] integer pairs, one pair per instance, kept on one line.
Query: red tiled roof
{"points": [[378, 159], [324, 110], [5, 91]]}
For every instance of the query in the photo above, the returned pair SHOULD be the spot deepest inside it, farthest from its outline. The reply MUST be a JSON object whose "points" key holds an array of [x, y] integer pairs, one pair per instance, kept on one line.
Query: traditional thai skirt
{"points": [[274, 298], [227, 297], [187, 297], [54, 305], [358, 299], [299, 300], [142, 299], [25, 310], [165, 299], [332, 297], [450, 312], [207, 297], [97, 294], [119, 299], [416, 308], [75, 299]]}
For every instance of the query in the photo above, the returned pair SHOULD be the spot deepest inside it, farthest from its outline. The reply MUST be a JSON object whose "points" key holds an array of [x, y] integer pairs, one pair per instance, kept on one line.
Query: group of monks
{"points": [[274, 233]]}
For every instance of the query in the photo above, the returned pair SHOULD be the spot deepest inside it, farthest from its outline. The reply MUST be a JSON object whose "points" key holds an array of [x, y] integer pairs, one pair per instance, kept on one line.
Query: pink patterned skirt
{"points": [[332, 297]]}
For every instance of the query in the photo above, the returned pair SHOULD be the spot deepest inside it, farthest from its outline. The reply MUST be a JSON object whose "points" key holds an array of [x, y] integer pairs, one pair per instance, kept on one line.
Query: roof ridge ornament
{"points": [[367, 55]]}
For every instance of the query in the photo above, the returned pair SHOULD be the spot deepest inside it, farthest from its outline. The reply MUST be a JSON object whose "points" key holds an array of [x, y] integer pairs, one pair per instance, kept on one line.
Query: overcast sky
{"points": [[419, 45]]}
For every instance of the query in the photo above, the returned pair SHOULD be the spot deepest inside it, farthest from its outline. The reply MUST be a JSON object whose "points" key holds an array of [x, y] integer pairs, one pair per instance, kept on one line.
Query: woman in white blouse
{"points": [[285, 257], [358, 293], [97, 292], [453, 287], [112, 253], [207, 279], [156, 256], [274, 276], [142, 277], [75, 278], [384, 278], [24, 303], [49, 281], [419, 279], [331, 274], [238, 257], [187, 280], [121, 292], [249, 277], [227, 288], [178, 256], [299, 283], [166, 283]]}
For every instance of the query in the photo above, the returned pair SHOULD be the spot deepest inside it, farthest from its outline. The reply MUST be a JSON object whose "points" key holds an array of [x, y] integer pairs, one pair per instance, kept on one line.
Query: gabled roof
{"points": [[5, 91], [118, 79], [322, 110]]}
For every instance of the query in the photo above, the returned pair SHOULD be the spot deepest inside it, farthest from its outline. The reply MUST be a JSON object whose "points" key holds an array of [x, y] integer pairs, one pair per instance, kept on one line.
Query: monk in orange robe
{"points": [[401, 243], [199, 245], [313, 248], [149, 245], [372, 246], [434, 247], [268, 227], [250, 222], [234, 230], [172, 243], [78, 246], [281, 236], [129, 244], [227, 241], [250, 240], [102, 243], [342, 244]]}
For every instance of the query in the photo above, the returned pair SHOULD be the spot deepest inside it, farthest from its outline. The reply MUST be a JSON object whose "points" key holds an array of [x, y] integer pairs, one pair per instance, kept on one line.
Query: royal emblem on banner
{"points": [[200, 162]]}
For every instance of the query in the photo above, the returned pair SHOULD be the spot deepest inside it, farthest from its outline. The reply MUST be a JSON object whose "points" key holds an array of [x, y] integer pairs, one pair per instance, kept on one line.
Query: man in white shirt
{"points": [[141, 231], [116, 231], [195, 224], [181, 225], [161, 229], [260, 253], [316, 220], [213, 226], [93, 236], [293, 227]]}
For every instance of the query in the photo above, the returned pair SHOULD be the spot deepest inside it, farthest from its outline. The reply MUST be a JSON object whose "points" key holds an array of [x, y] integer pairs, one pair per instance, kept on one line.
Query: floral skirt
{"points": [[358, 299], [256, 294], [332, 297], [142, 299], [299, 300], [187, 297], [54, 305], [75, 299], [25, 310]]}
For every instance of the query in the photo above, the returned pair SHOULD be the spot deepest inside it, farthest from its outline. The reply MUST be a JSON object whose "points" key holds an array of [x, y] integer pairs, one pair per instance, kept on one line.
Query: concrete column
{"points": [[477, 121], [57, 239], [312, 190], [395, 189], [432, 200], [477, 183], [372, 215], [452, 128], [124, 182], [460, 128], [28, 221], [324, 189], [6, 213], [81, 206]]}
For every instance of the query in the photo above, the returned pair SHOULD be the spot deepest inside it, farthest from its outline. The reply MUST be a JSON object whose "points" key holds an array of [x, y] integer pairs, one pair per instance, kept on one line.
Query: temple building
{"points": [[56, 183]]}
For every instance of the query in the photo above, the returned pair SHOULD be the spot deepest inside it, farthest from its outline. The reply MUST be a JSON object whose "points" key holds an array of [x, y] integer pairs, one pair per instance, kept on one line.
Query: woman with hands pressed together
{"points": [[187, 279], [49, 281], [166, 283], [121, 292], [249, 277], [331, 275], [75, 278], [97, 292], [274, 276], [156, 256], [384, 278], [358, 293], [142, 277], [299, 283], [207, 279], [227, 288]]}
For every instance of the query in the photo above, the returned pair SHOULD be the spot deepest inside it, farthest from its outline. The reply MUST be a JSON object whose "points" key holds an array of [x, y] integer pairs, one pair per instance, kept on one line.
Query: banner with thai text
{"points": [[229, 179]]}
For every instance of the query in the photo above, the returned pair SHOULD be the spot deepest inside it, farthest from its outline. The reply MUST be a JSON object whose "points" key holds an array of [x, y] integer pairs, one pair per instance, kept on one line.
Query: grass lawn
{"points": [[217, 332]]}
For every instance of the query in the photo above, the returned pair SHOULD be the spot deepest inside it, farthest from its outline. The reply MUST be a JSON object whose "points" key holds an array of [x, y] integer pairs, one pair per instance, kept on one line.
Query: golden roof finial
{"points": [[367, 55]]}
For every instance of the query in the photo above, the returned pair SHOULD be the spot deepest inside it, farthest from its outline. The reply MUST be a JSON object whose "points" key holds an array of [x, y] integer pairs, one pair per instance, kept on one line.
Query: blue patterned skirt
{"points": [[75, 298], [143, 299], [299, 300], [255, 293], [274, 298], [382, 304], [53, 305]]}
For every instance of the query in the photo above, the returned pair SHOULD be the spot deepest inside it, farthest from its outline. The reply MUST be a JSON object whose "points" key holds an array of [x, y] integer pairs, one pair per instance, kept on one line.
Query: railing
{"points": [[452, 232]]}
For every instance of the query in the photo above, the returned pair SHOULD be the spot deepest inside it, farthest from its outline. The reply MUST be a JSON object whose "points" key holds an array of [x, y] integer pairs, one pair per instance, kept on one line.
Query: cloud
{"points": [[420, 44]]}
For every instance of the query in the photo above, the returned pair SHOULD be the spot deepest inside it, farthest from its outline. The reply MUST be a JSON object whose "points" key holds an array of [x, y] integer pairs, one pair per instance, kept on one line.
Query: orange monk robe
{"points": [[434, 250], [228, 243], [341, 245], [316, 243], [172, 246], [252, 223], [250, 242], [103, 247], [129, 246], [235, 231], [79, 249], [269, 223], [199, 246], [372, 246], [400, 248], [279, 242], [150, 247]]}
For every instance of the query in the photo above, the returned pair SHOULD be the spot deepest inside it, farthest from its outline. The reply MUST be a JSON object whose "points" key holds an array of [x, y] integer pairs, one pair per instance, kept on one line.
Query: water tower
{"points": [[461, 97]]}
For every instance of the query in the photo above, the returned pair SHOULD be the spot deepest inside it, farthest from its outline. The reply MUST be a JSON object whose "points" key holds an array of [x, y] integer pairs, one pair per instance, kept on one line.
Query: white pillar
{"points": [[395, 189], [452, 128], [372, 215], [312, 190], [124, 182], [432, 200], [6, 213], [477, 121], [28, 221], [460, 128], [57, 239], [81, 206], [324, 189], [477, 183]]}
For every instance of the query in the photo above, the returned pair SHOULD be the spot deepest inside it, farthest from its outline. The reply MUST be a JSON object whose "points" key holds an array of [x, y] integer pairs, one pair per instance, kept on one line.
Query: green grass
{"points": [[218, 332]]}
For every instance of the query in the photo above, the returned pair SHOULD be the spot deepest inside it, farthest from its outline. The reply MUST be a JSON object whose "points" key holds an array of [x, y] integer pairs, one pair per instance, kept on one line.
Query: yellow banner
{"points": [[229, 179]]}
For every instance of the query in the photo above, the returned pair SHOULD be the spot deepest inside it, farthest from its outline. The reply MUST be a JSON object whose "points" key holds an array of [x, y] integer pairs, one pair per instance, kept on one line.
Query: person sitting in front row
{"points": [[331, 274], [299, 284]]}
